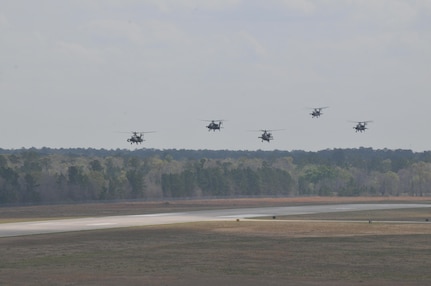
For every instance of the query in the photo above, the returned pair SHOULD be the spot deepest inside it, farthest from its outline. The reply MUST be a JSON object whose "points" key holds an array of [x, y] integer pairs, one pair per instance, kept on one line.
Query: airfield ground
{"points": [[26, 213], [321, 249]]}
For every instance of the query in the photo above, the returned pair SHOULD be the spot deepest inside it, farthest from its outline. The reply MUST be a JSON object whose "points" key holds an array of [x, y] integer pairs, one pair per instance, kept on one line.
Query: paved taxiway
{"points": [[92, 223]]}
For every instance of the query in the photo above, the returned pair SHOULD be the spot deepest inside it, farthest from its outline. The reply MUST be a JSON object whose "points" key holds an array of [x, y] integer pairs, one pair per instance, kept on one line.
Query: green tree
{"points": [[31, 194], [388, 183], [136, 181], [9, 186], [96, 166]]}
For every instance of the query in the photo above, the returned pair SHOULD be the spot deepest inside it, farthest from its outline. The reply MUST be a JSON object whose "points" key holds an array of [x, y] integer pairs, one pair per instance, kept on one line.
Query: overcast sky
{"points": [[77, 73]]}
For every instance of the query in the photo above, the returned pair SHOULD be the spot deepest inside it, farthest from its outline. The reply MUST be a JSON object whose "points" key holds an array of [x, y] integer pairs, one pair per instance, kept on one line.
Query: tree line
{"points": [[75, 175]]}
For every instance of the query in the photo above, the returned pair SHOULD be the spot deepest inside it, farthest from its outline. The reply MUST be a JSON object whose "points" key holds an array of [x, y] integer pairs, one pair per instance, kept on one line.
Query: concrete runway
{"points": [[92, 223]]}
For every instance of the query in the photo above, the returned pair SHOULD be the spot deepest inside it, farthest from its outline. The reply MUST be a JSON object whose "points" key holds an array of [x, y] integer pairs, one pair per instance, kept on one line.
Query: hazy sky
{"points": [[76, 73]]}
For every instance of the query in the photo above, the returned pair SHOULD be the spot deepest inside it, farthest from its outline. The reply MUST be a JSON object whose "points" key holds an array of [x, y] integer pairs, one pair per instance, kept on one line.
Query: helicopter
{"points": [[361, 126], [213, 125], [267, 135], [317, 111], [137, 137]]}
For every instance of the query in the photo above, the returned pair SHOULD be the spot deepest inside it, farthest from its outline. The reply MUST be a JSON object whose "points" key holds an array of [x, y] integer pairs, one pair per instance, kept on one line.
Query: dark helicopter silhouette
{"points": [[138, 137], [317, 111], [361, 126], [213, 125], [267, 134]]}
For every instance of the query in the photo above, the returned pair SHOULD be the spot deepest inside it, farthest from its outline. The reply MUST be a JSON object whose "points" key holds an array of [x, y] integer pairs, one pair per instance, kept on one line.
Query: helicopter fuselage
{"points": [[360, 127], [135, 139], [266, 136], [214, 126], [316, 113]]}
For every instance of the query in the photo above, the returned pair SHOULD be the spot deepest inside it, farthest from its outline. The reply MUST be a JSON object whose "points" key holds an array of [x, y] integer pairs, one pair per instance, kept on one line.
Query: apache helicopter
{"points": [[137, 137], [213, 125], [317, 111], [361, 126], [267, 135]]}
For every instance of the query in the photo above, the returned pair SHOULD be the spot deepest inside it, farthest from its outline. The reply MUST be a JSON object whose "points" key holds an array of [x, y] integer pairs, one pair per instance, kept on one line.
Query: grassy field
{"points": [[300, 250]]}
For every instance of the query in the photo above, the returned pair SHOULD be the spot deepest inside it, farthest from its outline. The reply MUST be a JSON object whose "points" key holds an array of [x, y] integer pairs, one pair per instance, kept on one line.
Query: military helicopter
{"points": [[317, 111], [267, 134], [361, 126], [213, 125], [138, 137]]}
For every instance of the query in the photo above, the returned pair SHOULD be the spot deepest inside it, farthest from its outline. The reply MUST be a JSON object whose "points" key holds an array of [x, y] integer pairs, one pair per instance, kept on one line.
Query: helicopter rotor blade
{"points": [[364, 122], [265, 130], [272, 130], [318, 108], [143, 132], [213, 120]]}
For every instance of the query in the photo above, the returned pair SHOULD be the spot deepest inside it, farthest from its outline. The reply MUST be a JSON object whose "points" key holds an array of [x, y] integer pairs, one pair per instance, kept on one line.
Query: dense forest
{"points": [[76, 175]]}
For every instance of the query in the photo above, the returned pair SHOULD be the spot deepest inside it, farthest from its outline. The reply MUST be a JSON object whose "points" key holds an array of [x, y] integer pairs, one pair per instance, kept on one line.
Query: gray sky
{"points": [[75, 73]]}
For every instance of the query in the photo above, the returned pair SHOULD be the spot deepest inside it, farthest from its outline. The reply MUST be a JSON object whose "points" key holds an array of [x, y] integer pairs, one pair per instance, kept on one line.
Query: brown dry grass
{"points": [[272, 252]]}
